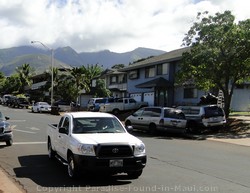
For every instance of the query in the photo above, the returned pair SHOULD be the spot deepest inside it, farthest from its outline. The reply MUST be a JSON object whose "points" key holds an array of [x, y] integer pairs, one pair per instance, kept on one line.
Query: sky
{"points": [[115, 25]]}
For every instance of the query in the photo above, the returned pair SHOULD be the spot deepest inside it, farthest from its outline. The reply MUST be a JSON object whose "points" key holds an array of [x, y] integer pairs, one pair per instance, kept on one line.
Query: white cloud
{"points": [[117, 25]]}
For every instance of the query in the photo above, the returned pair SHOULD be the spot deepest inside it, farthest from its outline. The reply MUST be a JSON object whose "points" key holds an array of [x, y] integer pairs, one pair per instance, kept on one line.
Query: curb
{"points": [[7, 185]]}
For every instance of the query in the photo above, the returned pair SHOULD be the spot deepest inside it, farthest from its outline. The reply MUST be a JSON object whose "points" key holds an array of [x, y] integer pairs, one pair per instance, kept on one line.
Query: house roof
{"points": [[158, 82], [166, 57]]}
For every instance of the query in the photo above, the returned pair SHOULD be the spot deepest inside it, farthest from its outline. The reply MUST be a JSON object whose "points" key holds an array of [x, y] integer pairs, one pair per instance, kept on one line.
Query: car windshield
{"points": [[97, 125]]}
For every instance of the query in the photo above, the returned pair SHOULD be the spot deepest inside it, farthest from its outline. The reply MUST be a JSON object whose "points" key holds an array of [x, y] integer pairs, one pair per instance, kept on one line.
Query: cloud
{"points": [[117, 25]]}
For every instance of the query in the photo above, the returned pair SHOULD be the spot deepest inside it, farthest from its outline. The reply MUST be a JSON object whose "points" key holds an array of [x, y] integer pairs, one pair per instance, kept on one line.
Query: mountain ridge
{"points": [[40, 59]]}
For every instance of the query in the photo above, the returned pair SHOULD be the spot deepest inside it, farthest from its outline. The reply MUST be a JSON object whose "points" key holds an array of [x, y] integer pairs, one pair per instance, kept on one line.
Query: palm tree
{"points": [[80, 79], [92, 71], [24, 75]]}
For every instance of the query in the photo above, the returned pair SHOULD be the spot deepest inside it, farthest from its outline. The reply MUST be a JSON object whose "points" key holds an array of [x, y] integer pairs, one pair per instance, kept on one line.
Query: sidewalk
{"points": [[7, 185]]}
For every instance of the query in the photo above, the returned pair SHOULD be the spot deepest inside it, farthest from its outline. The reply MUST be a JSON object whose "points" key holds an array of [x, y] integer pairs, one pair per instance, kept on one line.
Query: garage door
{"points": [[149, 97], [136, 96]]}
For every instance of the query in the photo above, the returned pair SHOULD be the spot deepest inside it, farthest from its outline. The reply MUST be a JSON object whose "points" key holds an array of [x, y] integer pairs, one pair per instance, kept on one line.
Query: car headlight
{"points": [[7, 128], [139, 149], [86, 149]]}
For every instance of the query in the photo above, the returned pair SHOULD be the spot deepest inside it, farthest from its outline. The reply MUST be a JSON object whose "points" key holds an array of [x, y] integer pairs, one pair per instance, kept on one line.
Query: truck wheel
{"points": [[127, 123], [9, 142], [116, 111], [51, 152], [134, 174], [73, 170]]}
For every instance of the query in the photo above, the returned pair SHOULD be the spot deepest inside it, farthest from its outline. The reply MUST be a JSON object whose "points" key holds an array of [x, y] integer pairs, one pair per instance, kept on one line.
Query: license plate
{"points": [[116, 163]]}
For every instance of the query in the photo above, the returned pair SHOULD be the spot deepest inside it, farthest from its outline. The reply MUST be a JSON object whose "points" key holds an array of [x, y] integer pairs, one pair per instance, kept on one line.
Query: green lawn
{"points": [[239, 113]]}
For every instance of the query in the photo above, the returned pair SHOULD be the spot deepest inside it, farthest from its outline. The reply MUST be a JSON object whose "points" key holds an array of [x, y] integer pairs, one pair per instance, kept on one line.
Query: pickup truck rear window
{"points": [[97, 125]]}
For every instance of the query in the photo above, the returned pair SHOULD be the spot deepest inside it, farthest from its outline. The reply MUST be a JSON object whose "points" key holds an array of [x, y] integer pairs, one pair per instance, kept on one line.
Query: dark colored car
{"points": [[21, 102], [6, 134]]}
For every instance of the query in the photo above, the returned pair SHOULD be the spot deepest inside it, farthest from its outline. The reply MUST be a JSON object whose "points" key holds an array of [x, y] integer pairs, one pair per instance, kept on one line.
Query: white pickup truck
{"points": [[122, 104], [95, 141]]}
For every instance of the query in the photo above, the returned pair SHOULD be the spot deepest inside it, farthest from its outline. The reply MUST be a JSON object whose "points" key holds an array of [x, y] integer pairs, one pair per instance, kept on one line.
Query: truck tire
{"points": [[128, 123], [116, 111], [51, 152], [73, 169], [134, 174], [9, 142]]}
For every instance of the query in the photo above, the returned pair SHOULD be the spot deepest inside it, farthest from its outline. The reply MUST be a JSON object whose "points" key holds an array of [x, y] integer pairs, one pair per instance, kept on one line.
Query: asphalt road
{"points": [[175, 163]]}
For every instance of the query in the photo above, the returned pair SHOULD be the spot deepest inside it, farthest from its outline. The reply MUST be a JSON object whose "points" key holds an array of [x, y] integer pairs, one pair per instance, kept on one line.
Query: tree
{"points": [[12, 84], [2, 81], [92, 71], [79, 79], [101, 89], [118, 66], [219, 55], [24, 74]]}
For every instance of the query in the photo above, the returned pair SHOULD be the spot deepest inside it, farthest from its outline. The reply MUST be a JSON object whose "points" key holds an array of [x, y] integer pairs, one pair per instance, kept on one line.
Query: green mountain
{"points": [[40, 59]]}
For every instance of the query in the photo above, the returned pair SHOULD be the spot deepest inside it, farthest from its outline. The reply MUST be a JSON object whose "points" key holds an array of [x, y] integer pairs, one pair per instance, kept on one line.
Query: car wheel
{"points": [[51, 152], [116, 111], [9, 142], [73, 170], [134, 174], [152, 128]]}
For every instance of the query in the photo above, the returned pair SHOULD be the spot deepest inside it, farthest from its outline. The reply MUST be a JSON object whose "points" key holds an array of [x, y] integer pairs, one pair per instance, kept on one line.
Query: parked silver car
{"points": [[41, 107], [206, 116], [157, 118]]}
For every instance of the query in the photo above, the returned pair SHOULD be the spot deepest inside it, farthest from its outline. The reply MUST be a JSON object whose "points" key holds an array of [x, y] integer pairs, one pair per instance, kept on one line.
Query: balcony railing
{"points": [[121, 86]]}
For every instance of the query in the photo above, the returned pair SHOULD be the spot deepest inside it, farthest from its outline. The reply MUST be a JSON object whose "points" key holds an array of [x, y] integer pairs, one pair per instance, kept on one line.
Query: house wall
{"points": [[241, 99], [180, 100]]}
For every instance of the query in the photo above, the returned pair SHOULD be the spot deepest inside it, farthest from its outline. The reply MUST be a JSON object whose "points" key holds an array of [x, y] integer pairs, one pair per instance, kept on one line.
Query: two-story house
{"points": [[116, 82], [153, 80]]}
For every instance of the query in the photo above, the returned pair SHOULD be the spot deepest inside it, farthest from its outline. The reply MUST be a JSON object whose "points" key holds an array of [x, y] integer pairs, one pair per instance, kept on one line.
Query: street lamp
{"points": [[52, 66]]}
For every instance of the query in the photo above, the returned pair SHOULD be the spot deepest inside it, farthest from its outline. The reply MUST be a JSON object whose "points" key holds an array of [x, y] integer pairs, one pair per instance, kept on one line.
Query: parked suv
{"points": [[157, 118], [94, 103], [200, 117]]}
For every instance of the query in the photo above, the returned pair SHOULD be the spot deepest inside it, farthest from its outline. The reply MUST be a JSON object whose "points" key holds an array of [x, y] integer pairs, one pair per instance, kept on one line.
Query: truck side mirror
{"points": [[63, 130], [129, 128]]}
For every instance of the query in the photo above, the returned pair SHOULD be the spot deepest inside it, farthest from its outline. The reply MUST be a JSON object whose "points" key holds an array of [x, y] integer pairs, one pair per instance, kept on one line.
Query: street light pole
{"points": [[52, 68]]}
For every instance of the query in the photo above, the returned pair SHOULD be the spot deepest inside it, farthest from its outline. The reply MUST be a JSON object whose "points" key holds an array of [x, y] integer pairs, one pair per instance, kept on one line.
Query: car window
{"points": [[146, 113], [66, 124], [213, 111], [192, 111], [99, 101], [155, 112], [138, 112], [132, 101]]}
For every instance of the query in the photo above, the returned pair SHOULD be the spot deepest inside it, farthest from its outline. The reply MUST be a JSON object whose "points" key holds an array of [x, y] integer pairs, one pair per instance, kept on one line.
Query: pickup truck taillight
{"points": [[161, 122]]}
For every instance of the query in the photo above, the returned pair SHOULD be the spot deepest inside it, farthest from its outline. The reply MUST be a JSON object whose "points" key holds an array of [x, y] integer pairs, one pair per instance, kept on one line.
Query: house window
{"points": [[113, 79], [162, 68], [134, 74], [190, 93], [149, 72], [123, 78]]}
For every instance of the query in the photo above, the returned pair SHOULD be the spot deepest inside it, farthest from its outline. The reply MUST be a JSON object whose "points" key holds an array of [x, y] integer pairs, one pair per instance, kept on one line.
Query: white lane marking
{"points": [[33, 128], [29, 143], [24, 131], [15, 121]]}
